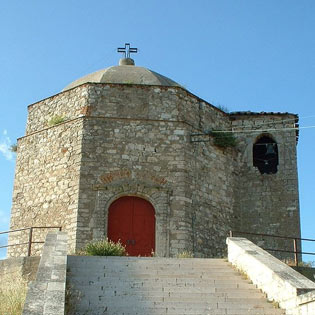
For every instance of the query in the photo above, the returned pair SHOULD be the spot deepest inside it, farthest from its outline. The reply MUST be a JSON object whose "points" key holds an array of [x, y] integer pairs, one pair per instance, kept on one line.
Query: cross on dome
{"points": [[127, 50]]}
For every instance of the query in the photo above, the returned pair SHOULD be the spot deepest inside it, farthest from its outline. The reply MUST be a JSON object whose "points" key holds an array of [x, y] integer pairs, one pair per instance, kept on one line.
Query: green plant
{"points": [[56, 120], [12, 294], [185, 254], [103, 248], [223, 108], [223, 139], [13, 148], [72, 298], [291, 262]]}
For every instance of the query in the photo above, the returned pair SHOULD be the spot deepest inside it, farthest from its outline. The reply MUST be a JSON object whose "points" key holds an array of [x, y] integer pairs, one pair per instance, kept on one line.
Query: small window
{"points": [[265, 155]]}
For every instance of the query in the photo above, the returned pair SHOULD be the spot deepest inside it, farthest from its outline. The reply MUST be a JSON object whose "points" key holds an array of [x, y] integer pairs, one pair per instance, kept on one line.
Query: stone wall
{"points": [[138, 162], [14, 268], [121, 139], [145, 136], [46, 184], [267, 203], [211, 187], [68, 105]]}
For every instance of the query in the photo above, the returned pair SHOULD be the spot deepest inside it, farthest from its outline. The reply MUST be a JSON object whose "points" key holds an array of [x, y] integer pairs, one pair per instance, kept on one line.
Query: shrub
{"points": [[56, 120], [223, 139], [13, 148], [223, 108], [12, 295], [103, 248], [291, 262], [185, 254]]}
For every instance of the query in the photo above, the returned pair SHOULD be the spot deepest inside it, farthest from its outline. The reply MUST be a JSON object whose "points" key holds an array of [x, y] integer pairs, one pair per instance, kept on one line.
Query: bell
{"points": [[270, 149]]}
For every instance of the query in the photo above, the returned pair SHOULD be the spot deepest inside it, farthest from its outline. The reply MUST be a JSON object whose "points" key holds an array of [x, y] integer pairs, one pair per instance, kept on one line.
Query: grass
{"points": [[12, 295], [185, 254], [73, 297]]}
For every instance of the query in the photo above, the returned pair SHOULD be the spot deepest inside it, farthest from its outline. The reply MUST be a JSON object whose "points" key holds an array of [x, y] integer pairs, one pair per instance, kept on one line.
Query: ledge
{"points": [[280, 282]]}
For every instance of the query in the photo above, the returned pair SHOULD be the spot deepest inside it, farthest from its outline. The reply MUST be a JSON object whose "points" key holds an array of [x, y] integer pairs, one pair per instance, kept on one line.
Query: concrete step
{"points": [[141, 262], [183, 295], [116, 283], [158, 301], [144, 260], [165, 279], [156, 271], [184, 292], [176, 272], [131, 285], [162, 270], [183, 311]]}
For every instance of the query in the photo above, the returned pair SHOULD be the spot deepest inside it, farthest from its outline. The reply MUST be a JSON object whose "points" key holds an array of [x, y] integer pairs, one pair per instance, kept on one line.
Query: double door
{"points": [[131, 220]]}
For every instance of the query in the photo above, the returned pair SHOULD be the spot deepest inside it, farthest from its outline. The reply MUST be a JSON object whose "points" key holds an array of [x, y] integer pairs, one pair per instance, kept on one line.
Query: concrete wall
{"points": [[294, 292]]}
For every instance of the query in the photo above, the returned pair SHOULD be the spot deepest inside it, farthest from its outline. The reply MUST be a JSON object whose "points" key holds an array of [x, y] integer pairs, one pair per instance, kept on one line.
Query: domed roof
{"points": [[125, 73]]}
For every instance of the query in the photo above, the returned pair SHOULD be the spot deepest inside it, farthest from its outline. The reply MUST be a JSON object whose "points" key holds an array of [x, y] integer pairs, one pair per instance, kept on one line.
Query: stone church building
{"points": [[129, 154]]}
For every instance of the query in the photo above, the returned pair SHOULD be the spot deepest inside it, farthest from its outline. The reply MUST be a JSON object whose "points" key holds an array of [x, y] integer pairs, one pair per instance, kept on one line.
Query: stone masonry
{"points": [[123, 139]]}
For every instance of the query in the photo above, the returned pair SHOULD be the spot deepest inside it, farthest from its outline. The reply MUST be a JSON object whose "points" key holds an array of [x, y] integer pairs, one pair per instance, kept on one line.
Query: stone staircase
{"points": [[134, 285]]}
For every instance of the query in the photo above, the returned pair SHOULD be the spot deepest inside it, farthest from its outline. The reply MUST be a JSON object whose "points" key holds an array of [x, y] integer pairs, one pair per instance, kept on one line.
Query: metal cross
{"points": [[127, 50]]}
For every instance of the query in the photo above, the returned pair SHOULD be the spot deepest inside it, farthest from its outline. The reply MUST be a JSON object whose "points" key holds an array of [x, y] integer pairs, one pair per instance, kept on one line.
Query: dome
{"points": [[125, 73]]}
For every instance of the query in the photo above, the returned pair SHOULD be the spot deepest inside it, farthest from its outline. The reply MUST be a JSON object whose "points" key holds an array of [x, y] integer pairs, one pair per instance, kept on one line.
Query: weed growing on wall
{"points": [[222, 107], [103, 248], [13, 148], [223, 139], [56, 120]]}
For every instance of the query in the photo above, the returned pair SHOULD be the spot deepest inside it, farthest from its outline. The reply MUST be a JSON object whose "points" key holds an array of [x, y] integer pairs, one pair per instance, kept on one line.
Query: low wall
{"points": [[294, 292], [46, 295], [25, 267]]}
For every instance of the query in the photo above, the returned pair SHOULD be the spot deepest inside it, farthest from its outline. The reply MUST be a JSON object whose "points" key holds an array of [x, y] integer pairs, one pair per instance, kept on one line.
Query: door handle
{"points": [[131, 242]]}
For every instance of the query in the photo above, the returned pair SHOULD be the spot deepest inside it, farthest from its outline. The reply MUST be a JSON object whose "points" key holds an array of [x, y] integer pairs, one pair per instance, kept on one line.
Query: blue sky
{"points": [[242, 54]]}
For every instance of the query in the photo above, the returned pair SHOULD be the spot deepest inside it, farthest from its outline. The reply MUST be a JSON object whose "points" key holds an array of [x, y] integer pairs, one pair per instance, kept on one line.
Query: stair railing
{"points": [[30, 237], [295, 240]]}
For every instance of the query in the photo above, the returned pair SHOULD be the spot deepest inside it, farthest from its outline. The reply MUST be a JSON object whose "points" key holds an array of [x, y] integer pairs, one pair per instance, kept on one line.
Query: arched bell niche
{"points": [[265, 155]]}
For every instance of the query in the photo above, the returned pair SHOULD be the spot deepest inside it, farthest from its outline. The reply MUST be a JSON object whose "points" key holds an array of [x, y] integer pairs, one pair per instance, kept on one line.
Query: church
{"points": [[129, 154]]}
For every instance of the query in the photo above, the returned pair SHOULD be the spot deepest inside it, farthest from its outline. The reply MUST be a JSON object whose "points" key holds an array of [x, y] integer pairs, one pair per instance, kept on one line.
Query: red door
{"points": [[132, 221]]}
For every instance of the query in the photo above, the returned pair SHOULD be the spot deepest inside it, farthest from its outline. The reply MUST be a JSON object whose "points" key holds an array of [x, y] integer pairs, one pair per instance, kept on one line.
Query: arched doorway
{"points": [[132, 221]]}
